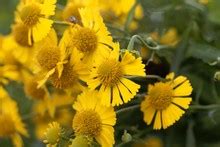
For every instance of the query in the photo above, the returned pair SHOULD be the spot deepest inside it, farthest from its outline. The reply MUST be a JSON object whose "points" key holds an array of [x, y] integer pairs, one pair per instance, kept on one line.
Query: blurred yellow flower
{"points": [[11, 124], [165, 101], [34, 15], [94, 120], [62, 115], [149, 142], [51, 103], [204, 2], [109, 73]]}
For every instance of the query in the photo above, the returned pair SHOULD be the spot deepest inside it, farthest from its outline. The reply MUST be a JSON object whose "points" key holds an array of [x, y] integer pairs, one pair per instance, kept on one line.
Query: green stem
{"points": [[127, 109], [136, 38], [156, 77], [61, 22]]}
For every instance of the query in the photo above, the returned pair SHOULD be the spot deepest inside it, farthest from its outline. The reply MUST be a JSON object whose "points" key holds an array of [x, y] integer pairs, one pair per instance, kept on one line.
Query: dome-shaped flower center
{"points": [[31, 89], [110, 72], [85, 40], [20, 33], [53, 134], [161, 95], [7, 126], [67, 79], [87, 123], [30, 14], [48, 57]]}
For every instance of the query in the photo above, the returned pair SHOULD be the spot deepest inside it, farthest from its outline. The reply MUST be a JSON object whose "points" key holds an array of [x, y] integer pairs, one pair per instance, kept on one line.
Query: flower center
{"points": [[67, 79], [31, 89], [20, 32], [85, 40], [48, 57], [87, 123], [161, 95], [110, 72], [30, 15], [7, 126], [53, 133]]}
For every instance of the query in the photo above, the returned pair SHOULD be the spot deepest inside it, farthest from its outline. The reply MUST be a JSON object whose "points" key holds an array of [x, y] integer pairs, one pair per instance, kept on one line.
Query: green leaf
{"points": [[214, 11], [206, 53]]}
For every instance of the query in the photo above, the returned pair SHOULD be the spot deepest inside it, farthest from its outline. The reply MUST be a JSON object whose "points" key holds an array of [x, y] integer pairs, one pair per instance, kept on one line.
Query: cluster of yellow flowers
{"points": [[80, 66]]}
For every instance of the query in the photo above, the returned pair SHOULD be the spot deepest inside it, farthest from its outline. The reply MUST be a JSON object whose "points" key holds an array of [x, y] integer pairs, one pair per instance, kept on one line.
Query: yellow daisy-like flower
{"points": [[165, 102], [11, 124], [94, 120], [92, 38], [63, 69], [34, 15], [109, 73], [52, 134]]}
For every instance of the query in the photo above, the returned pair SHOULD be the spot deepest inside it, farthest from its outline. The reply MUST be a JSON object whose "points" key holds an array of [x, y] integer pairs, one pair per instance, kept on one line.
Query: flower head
{"points": [[109, 74], [92, 37], [52, 134], [165, 102], [34, 15], [94, 120], [11, 124]]}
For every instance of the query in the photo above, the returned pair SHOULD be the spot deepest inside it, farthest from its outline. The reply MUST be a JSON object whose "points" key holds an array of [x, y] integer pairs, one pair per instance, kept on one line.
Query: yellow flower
{"points": [[165, 102], [109, 73], [34, 15], [116, 11], [52, 103], [52, 134], [14, 54], [64, 70], [11, 124], [94, 120], [92, 38], [153, 142], [31, 90], [150, 142], [63, 116], [170, 37], [7, 73], [72, 9]]}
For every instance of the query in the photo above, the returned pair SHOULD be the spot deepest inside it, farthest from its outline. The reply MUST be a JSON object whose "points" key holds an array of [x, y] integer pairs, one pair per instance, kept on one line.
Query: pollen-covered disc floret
{"points": [[87, 123], [48, 57], [85, 39], [110, 72], [68, 78], [30, 14], [161, 95], [53, 133], [7, 126]]}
